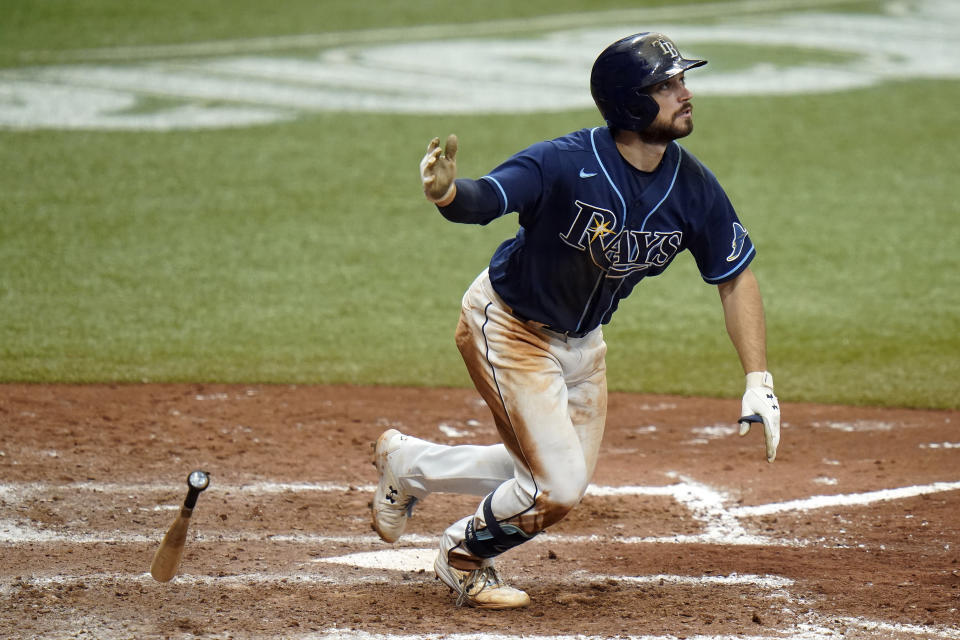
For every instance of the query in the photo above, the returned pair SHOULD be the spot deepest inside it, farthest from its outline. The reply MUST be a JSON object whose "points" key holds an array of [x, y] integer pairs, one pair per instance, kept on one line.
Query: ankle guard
{"points": [[495, 538]]}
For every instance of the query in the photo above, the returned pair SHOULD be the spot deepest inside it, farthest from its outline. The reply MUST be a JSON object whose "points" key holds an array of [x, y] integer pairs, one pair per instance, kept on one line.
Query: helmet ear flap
{"points": [[643, 109], [628, 108]]}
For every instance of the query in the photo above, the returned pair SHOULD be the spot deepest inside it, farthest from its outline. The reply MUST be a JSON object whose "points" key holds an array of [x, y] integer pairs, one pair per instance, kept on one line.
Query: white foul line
{"points": [[850, 499]]}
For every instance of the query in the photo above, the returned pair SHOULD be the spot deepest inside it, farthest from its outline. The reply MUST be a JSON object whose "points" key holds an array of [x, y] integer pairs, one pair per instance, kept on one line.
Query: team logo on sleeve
{"points": [[619, 252], [739, 239]]}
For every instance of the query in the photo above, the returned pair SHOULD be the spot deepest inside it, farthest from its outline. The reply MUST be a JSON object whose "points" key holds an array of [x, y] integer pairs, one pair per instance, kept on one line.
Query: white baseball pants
{"points": [[548, 396]]}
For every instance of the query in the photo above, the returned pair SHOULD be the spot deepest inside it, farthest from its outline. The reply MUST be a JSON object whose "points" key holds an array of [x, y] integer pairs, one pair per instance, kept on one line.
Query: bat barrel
{"points": [[166, 561]]}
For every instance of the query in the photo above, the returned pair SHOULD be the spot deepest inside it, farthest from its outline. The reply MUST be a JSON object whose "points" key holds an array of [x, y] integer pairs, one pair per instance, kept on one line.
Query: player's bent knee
{"points": [[553, 512], [557, 500]]}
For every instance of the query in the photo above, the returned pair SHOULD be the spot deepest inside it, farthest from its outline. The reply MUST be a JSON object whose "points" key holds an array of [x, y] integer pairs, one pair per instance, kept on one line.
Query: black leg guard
{"points": [[495, 538]]}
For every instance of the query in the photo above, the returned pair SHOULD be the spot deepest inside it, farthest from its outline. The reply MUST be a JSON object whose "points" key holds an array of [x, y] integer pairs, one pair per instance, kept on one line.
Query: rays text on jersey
{"points": [[623, 252]]}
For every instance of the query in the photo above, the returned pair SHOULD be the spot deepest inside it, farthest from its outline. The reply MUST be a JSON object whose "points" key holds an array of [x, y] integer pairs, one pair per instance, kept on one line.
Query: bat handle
{"points": [[191, 500], [752, 418]]}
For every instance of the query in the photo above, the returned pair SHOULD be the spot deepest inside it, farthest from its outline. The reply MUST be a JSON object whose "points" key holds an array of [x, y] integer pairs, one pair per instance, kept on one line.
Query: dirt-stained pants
{"points": [[548, 396]]}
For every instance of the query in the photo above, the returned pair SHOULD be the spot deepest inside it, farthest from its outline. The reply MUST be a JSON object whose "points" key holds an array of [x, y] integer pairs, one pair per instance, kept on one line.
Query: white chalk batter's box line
{"points": [[804, 631], [721, 524], [818, 628], [414, 557], [813, 626]]}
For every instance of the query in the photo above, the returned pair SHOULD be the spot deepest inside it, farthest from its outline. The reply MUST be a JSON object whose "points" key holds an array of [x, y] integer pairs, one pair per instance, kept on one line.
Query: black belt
{"points": [[536, 324], [545, 327]]}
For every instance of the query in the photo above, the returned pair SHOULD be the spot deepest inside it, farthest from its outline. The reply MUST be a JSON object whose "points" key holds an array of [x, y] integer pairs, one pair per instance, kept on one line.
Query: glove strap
{"points": [[760, 379]]}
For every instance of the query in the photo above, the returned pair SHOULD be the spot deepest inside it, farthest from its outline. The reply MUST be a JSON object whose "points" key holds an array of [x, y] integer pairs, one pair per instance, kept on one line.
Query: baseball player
{"points": [[599, 210]]}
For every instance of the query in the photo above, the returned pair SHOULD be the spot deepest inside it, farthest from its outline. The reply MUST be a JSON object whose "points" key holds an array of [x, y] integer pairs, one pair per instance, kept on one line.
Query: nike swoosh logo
{"points": [[585, 174]]}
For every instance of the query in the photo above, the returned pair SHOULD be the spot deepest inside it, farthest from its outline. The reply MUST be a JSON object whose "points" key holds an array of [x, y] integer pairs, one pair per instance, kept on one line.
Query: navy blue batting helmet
{"points": [[624, 70]]}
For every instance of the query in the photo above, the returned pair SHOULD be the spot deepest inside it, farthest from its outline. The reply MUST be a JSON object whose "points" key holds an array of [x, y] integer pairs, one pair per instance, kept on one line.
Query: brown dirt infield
{"points": [[687, 533]]}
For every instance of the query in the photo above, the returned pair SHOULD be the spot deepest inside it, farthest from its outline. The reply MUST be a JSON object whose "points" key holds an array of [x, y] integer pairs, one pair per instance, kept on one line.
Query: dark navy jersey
{"points": [[592, 226]]}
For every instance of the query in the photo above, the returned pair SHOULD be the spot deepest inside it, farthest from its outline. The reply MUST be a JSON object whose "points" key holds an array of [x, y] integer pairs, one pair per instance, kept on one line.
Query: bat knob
{"points": [[198, 480]]}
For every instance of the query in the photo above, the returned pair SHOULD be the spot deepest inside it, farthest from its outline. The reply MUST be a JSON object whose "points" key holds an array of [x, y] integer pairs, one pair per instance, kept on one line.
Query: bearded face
{"points": [[675, 118]]}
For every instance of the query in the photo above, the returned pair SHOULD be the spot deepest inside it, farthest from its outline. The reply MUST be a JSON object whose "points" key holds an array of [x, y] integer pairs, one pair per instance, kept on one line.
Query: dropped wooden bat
{"points": [[166, 561]]}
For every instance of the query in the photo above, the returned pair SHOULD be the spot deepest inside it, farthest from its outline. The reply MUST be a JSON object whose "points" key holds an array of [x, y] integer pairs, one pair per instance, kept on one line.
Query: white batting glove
{"points": [[438, 172], [760, 404]]}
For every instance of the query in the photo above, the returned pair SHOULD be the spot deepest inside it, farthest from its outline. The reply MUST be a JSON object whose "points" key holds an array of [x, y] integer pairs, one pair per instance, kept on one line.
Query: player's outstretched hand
{"points": [[759, 400], [439, 172]]}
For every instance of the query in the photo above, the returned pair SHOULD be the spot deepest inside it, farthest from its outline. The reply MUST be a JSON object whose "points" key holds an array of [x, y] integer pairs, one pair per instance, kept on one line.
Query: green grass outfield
{"points": [[303, 252]]}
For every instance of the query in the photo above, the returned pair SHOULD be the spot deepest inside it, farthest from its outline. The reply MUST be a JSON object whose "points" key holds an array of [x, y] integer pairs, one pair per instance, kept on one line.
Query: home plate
{"points": [[393, 559]]}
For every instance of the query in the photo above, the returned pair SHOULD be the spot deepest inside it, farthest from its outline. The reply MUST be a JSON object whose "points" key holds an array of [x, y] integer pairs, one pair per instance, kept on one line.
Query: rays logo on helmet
{"points": [[667, 47]]}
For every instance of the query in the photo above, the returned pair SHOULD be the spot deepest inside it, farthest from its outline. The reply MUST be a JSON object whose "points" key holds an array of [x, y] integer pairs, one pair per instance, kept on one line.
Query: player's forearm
{"points": [[743, 314], [474, 201]]}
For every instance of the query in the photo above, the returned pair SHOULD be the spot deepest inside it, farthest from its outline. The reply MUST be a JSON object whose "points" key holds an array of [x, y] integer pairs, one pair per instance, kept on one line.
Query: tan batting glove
{"points": [[760, 404], [438, 173]]}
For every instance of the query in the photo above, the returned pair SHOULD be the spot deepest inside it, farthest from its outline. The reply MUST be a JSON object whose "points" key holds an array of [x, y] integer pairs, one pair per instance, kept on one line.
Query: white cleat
{"points": [[391, 504], [481, 588]]}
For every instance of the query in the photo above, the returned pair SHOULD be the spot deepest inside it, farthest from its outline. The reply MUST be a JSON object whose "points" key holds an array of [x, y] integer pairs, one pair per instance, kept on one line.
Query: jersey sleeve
{"points": [[721, 245], [519, 182], [475, 203]]}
